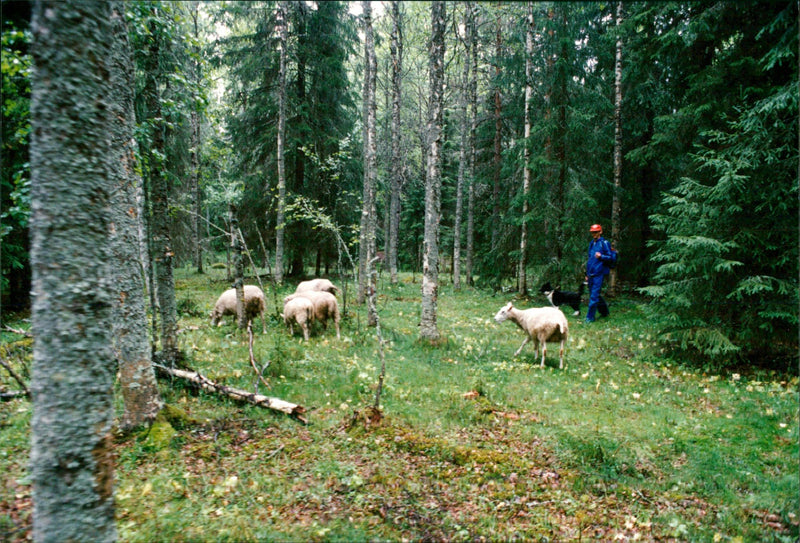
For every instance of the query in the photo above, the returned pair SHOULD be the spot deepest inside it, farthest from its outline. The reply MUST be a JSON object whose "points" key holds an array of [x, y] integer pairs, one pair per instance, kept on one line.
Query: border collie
{"points": [[564, 297]]}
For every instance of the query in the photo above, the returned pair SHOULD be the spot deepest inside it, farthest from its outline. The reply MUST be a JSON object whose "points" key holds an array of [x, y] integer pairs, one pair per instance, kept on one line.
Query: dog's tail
{"points": [[581, 288]]}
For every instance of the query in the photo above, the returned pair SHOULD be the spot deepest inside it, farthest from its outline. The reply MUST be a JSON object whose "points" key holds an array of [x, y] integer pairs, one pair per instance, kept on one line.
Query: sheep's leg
{"points": [[561, 356], [305, 330], [521, 346], [544, 353]]}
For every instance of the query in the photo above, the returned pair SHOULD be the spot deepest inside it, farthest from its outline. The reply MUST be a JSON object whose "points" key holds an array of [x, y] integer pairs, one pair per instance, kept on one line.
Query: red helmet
{"points": [[596, 228]]}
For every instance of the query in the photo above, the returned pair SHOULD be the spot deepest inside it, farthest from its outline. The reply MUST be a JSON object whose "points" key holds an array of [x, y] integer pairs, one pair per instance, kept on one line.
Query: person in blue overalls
{"points": [[596, 270]]}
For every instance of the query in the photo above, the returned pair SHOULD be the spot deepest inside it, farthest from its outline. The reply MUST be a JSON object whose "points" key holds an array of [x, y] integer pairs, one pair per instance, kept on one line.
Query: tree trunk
{"points": [[194, 121], [526, 180], [615, 203], [367, 282], [472, 10], [462, 158], [71, 460], [280, 224], [131, 342], [433, 187], [159, 196], [238, 268], [498, 127], [397, 160]]}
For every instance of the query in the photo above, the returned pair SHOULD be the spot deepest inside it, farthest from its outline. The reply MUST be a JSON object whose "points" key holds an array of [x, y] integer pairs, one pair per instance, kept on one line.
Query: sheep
{"points": [[254, 305], [325, 307], [317, 285], [542, 325], [298, 310]]}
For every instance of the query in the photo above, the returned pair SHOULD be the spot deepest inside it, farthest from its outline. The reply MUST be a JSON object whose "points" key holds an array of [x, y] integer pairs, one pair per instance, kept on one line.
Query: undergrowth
{"points": [[624, 443]]}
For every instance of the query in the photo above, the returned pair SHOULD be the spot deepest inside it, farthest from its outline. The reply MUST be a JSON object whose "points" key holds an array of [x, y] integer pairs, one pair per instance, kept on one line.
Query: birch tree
{"points": [[615, 202], [433, 185], [396, 50], [131, 341], [368, 212], [526, 179], [462, 158], [71, 460], [280, 227]]}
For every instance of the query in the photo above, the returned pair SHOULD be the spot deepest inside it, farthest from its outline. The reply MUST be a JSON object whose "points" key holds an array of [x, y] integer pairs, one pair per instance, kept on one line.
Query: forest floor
{"points": [[623, 444]]}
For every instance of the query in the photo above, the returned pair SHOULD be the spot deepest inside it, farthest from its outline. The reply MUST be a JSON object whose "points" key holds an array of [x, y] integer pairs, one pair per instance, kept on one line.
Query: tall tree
{"points": [[472, 42], [498, 133], [368, 211], [396, 49], [615, 204], [131, 342], [194, 148], [526, 176], [158, 177], [72, 463], [430, 260], [462, 156], [280, 226]]}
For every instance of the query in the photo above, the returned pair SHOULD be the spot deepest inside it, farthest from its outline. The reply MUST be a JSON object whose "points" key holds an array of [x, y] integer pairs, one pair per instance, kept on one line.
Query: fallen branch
{"points": [[19, 331], [205, 383], [24, 392]]}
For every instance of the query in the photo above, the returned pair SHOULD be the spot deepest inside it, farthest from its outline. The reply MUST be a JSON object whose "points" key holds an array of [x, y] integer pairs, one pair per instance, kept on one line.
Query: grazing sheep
{"points": [[298, 310], [541, 324], [317, 285], [254, 305], [325, 307]]}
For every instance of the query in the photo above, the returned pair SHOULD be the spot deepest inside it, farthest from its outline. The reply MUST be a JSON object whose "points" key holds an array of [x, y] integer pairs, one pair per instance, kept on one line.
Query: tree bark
{"points": [[194, 121], [162, 251], [472, 10], [526, 179], [280, 223], [462, 157], [238, 267], [71, 463], [396, 48], [615, 203], [433, 186], [368, 282], [498, 128], [131, 342]]}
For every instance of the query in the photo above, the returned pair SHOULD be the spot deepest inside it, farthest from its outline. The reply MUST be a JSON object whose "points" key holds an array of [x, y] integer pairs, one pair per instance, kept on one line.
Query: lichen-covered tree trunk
{"points": [[433, 187], [131, 342], [497, 160], [526, 178], [280, 224], [396, 48], [161, 241], [615, 202], [71, 460], [238, 268]]}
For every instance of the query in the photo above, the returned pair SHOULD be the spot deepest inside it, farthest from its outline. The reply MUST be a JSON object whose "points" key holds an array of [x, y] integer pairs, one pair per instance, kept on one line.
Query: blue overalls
{"points": [[596, 270]]}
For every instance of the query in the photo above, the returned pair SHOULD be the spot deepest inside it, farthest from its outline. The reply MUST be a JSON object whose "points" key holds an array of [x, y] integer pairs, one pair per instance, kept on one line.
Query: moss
{"points": [[176, 416], [160, 434]]}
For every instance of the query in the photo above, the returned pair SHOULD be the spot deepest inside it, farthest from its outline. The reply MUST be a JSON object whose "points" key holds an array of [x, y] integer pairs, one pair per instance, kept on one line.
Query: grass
{"points": [[623, 443]]}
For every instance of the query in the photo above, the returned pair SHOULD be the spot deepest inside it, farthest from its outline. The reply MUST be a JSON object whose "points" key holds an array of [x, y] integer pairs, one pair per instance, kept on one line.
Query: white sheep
{"points": [[541, 324], [325, 307], [317, 285], [298, 310], [254, 305]]}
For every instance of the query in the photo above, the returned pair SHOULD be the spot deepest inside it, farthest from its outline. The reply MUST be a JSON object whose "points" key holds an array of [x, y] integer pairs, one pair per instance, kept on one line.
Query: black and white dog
{"points": [[564, 297]]}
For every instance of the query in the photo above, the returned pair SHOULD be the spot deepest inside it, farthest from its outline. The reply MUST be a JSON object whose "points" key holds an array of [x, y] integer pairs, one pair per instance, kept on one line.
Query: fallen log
{"points": [[260, 400]]}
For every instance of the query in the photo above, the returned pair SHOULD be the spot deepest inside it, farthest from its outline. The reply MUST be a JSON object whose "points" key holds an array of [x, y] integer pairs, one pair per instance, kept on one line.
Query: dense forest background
{"points": [[702, 204]]}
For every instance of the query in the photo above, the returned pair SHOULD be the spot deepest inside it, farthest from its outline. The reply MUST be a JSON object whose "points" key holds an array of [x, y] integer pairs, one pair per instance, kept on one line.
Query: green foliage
{"points": [[15, 177], [727, 279]]}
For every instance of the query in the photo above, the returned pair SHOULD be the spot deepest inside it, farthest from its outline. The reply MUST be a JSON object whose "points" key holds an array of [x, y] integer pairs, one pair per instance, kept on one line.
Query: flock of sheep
{"points": [[315, 301]]}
